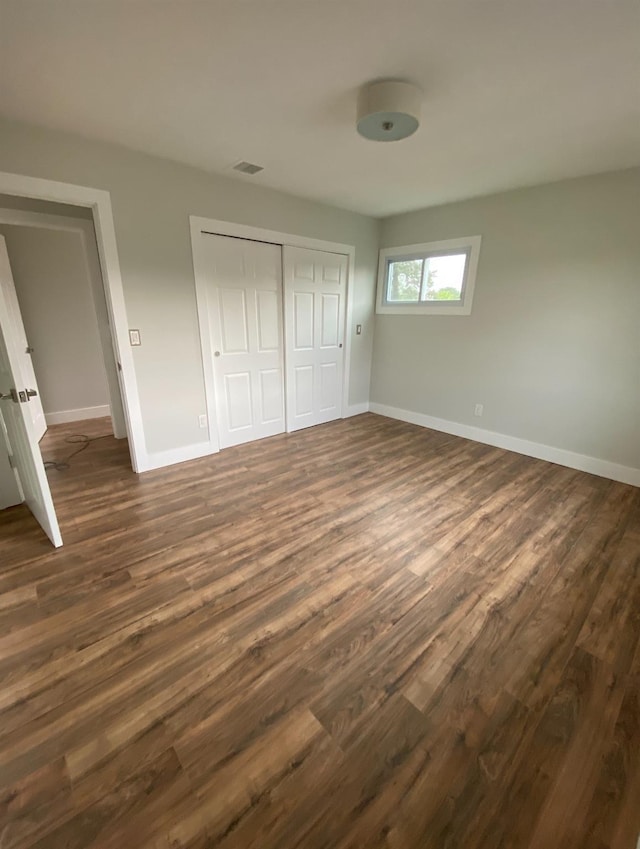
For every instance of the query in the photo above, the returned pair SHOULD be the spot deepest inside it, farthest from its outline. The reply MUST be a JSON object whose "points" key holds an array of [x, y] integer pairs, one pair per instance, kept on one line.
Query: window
{"points": [[431, 279]]}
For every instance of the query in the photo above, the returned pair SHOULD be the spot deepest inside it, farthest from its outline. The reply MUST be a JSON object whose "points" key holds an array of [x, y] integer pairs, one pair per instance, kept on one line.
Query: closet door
{"points": [[244, 303], [315, 285]]}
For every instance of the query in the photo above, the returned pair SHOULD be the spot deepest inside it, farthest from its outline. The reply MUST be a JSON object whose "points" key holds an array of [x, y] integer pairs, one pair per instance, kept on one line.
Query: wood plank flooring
{"points": [[365, 634]]}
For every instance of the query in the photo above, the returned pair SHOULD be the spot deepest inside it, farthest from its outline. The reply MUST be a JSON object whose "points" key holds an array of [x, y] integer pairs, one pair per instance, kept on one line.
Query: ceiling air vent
{"points": [[247, 168]]}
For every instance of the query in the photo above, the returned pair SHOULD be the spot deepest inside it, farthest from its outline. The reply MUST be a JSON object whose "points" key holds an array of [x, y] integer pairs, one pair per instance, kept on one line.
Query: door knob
{"points": [[216, 353], [13, 395], [18, 397]]}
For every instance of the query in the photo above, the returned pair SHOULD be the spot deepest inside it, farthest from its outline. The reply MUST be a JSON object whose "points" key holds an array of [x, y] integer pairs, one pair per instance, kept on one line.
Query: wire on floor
{"points": [[73, 439]]}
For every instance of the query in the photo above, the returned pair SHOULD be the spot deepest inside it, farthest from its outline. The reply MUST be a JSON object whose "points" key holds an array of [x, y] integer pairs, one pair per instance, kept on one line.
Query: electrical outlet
{"points": [[478, 410], [358, 330], [202, 420]]}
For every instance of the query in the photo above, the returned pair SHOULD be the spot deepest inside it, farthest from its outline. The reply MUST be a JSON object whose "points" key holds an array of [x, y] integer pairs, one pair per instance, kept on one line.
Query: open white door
{"points": [[14, 406], [315, 286], [23, 350]]}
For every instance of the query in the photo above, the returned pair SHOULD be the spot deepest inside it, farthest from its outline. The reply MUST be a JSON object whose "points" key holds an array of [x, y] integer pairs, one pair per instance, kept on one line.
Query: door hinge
{"points": [[12, 462]]}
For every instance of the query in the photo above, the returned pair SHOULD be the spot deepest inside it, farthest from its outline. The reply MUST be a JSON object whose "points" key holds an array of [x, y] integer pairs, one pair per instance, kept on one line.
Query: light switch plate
{"points": [[134, 337], [358, 329]]}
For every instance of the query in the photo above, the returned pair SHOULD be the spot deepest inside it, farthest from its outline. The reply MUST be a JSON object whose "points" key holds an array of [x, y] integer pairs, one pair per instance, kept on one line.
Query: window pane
{"points": [[444, 276], [403, 280]]}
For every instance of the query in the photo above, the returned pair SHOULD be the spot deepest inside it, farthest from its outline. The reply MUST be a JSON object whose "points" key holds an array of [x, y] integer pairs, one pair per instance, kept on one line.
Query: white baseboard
{"points": [[159, 459], [77, 415], [592, 465], [356, 410]]}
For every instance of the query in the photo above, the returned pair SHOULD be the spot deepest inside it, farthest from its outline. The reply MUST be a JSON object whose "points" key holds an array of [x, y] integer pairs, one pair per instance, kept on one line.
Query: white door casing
{"points": [[17, 331], [315, 288], [244, 310], [99, 201], [24, 446]]}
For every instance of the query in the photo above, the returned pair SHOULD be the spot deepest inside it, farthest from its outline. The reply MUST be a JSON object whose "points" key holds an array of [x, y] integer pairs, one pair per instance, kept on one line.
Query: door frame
{"points": [[84, 228], [99, 202], [200, 227]]}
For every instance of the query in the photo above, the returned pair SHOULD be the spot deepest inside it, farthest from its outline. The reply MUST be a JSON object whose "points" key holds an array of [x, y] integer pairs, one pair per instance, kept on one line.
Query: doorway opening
{"points": [[56, 320]]}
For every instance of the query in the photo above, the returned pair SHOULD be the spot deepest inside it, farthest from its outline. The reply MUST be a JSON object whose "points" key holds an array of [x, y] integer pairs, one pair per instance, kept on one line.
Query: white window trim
{"points": [[471, 243]]}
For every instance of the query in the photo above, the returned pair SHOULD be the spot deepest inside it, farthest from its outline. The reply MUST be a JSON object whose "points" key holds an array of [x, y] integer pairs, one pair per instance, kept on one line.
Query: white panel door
{"points": [[15, 414], [315, 287], [244, 304], [17, 331]]}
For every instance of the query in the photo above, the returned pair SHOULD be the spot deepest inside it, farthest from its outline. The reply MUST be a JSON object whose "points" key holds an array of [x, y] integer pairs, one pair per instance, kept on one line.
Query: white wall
{"points": [[54, 291], [152, 200], [552, 348]]}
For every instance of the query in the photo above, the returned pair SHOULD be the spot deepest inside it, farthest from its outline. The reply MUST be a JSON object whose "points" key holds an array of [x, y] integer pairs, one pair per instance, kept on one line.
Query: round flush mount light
{"points": [[388, 110]]}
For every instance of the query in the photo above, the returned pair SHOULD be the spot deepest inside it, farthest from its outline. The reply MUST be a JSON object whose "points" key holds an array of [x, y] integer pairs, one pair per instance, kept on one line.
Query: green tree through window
{"points": [[405, 277]]}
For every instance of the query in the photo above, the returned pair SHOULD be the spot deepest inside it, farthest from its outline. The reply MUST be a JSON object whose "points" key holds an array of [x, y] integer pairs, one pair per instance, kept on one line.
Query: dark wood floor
{"points": [[365, 634]]}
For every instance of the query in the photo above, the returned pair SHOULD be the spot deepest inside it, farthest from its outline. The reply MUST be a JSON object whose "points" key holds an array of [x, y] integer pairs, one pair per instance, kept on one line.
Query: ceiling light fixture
{"points": [[388, 110]]}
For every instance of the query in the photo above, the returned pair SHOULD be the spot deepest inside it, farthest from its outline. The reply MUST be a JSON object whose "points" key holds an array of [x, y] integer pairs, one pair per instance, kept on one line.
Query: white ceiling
{"points": [[516, 92]]}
